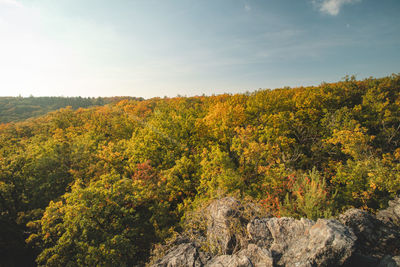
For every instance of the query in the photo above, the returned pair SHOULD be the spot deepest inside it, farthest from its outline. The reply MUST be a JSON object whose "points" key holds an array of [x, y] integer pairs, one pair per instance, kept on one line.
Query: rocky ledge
{"points": [[355, 238]]}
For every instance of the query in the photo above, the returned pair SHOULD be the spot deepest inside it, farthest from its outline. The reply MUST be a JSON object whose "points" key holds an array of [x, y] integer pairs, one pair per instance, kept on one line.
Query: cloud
{"points": [[332, 7], [247, 7], [12, 3]]}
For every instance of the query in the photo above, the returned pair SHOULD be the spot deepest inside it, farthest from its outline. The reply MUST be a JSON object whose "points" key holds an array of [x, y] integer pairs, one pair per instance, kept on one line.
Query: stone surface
{"points": [[358, 238], [374, 237], [303, 242], [392, 213], [259, 257], [259, 232], [230, 260], [326, 243], [183, 255], [389, 261], [224, 219], [252, 256]]}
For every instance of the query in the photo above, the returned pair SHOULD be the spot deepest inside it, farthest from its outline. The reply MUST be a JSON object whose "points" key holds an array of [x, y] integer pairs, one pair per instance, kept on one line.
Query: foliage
{"points": [[309, 197], [100, 185], [107, 223], [14, 109]]}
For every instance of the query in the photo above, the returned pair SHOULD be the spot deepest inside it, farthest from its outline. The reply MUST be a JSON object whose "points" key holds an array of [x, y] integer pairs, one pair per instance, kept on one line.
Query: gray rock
{"points": [[253, 256], [303, 242], [277, 234], [259, 257], [357, 239], [224, 223], [392, 213], [389, 261], [374, 237], [183, 255], [259, 233], [230, 261]]}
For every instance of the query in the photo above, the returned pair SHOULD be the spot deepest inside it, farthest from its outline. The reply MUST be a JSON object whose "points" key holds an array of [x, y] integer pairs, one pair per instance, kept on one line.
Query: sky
{"points": [[150, 48]]}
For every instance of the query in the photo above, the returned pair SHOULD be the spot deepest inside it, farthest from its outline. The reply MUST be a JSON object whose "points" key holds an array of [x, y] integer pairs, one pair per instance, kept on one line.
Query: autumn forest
{"points": [[100, 182]]}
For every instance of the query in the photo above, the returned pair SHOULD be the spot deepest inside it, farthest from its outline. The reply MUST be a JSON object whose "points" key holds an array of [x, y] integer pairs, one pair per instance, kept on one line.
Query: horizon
{"points": [[198, 95], [191, 48]]}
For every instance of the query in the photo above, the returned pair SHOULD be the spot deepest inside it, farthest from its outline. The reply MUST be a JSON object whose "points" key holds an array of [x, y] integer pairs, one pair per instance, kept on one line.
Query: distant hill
{"points": [[13, 109]]}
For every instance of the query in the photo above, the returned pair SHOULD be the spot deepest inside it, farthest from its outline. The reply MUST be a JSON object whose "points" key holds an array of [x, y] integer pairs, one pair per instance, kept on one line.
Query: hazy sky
{"points": [[189, 47]]}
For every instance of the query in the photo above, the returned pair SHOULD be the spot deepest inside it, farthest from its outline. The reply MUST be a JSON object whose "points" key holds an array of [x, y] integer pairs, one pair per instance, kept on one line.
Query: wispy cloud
{"points": [[247, 7], [332, 7], [13, 3]]}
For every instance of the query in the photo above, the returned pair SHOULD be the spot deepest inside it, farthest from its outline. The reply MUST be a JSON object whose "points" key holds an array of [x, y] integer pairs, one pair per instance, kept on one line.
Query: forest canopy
{"points": [[13, 109], [102, 185]]}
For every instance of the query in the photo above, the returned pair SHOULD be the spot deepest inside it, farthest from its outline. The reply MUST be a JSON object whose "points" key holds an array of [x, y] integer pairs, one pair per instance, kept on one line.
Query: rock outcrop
{"points": [[392, 213], [230, 260], [389, 261], [252, 256], [224, 219], [357, 238], [303, 242], [186, 254], [370, 232]]}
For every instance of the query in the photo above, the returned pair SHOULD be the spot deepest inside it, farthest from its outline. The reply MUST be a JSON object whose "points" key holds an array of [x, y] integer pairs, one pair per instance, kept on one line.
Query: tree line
{"points": [[102, 185], [13, 109]]}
